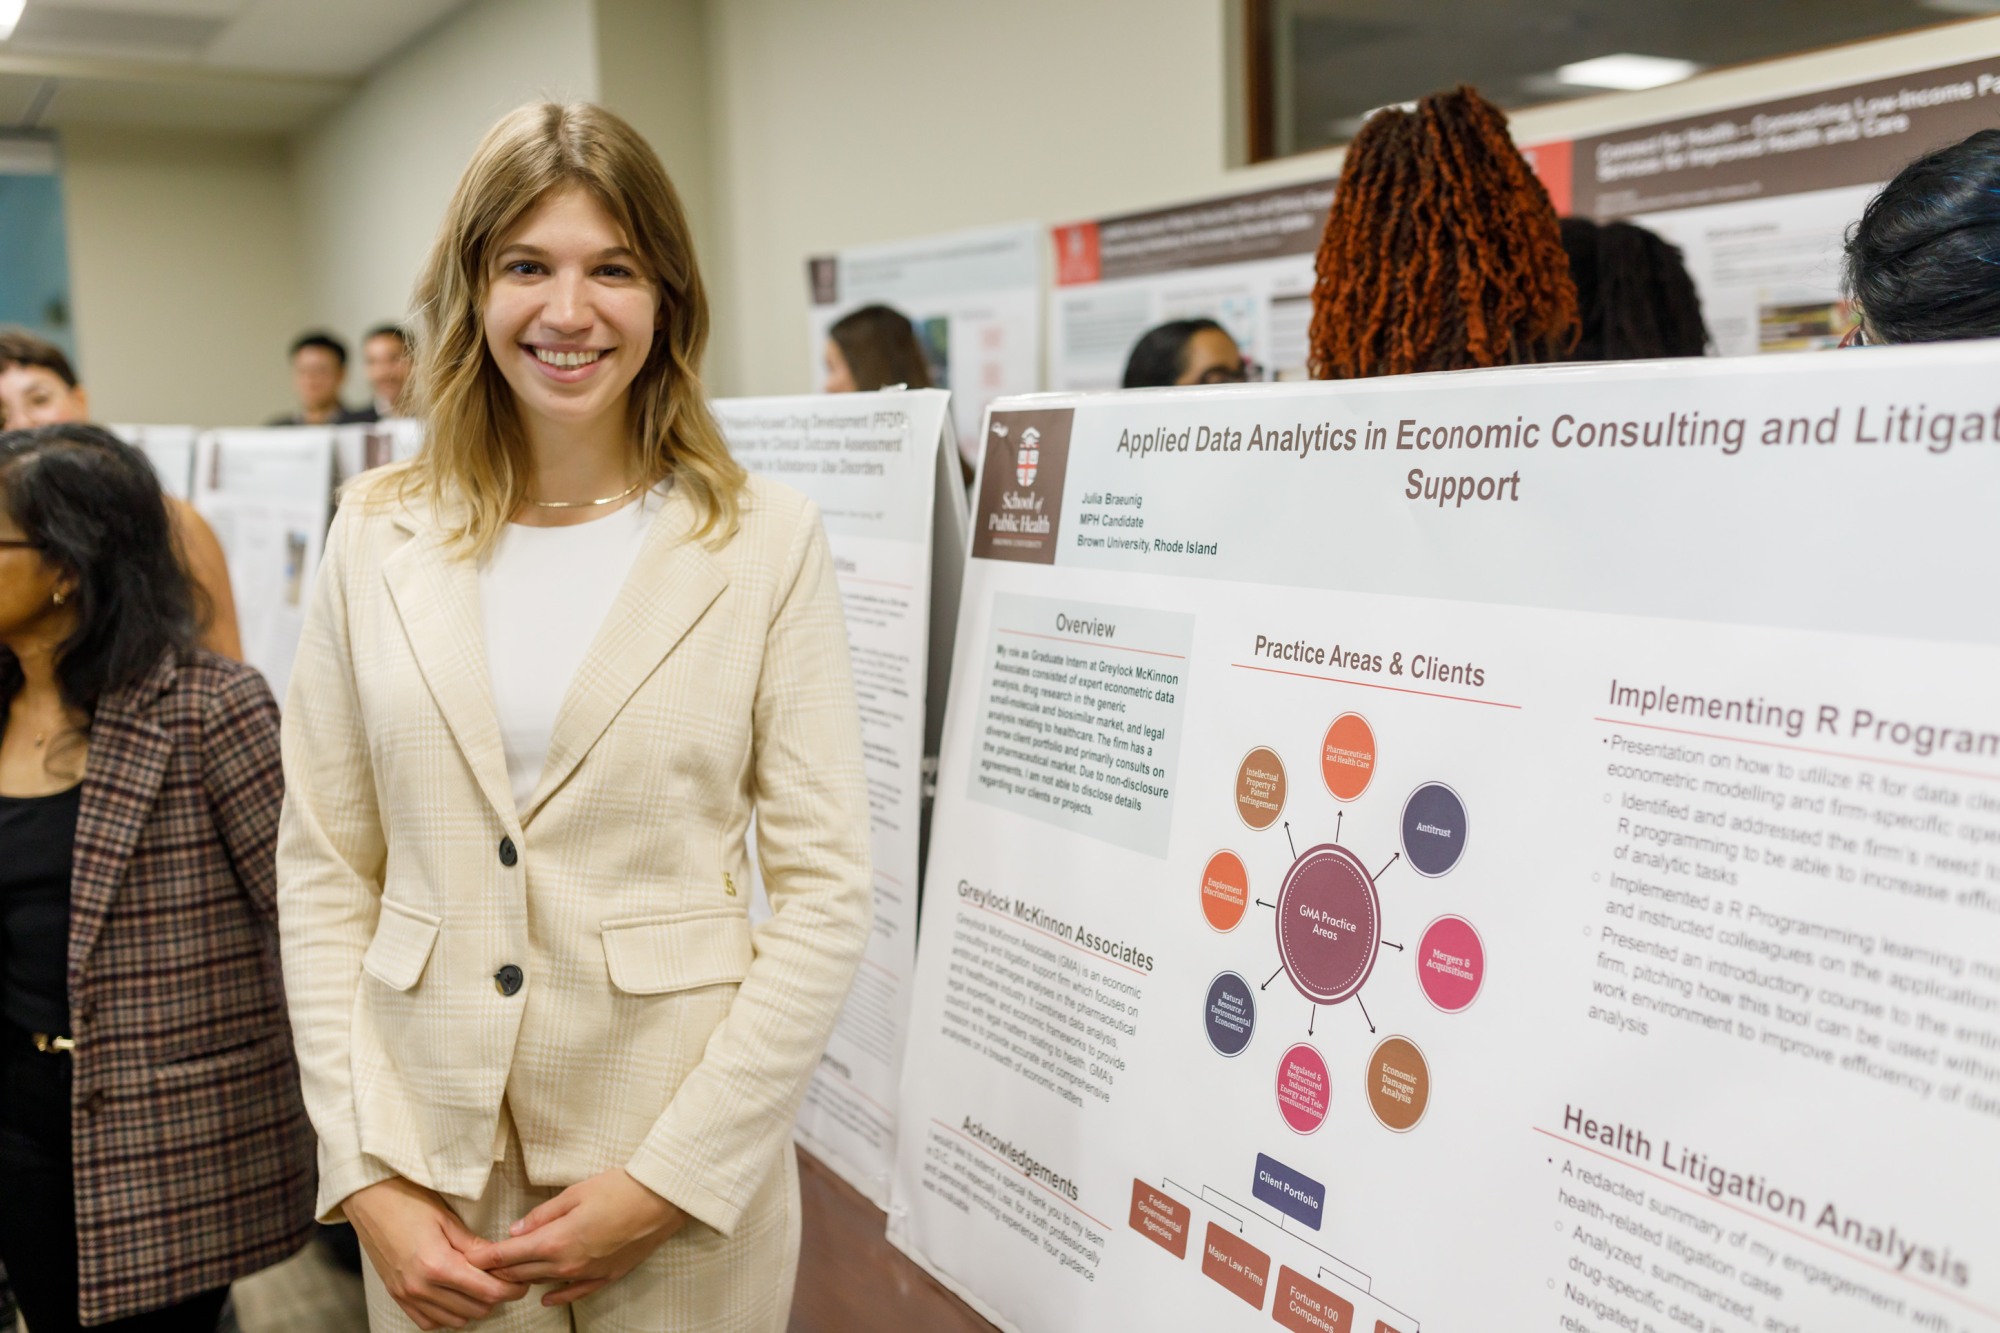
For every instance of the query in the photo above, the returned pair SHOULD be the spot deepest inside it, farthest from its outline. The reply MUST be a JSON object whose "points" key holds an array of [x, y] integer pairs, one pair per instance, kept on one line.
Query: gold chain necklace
{"points": [[589, 504]]}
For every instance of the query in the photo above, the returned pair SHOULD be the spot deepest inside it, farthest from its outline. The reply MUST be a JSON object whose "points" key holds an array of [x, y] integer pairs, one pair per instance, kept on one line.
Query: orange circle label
{"points": [[1347, 756], [1260, 788], [1399, 1083], [1225, 890]]}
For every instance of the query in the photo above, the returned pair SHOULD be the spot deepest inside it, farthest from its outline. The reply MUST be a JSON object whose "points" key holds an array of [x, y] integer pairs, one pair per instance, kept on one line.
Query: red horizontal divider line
{"points": [[1793, 1232], [1073, 1207], [1374, 685]]}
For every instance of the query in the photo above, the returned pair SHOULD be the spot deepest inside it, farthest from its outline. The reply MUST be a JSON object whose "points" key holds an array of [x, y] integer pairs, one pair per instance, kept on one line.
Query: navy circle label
{"points": [[1434, 829], [1230, 1015]]}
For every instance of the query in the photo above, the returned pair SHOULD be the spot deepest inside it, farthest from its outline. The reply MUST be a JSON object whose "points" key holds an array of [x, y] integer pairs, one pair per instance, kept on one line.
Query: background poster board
{"points": [[268, 494], [883, 471], [363, 447], [1425, 849], [975, 298], [1245, 261], [1759, 197], [170, 449]]}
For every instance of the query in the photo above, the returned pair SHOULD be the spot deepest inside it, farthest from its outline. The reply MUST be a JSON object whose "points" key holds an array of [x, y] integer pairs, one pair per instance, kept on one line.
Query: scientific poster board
{"points": [[974, 297], [1244, 261], [268, 494], [363, 447], [170, 449], [884, 472], [1759, 197], [1508, 850]]}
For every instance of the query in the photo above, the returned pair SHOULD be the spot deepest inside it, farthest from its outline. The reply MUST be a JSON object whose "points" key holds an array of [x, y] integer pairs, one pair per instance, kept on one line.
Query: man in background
{"points": [[38, 387], [319, 369], [385, 359]]}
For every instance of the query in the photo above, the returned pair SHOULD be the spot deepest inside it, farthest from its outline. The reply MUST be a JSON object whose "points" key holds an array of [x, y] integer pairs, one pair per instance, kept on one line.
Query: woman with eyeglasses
{"points": [[153, 1143], [1185, 351]]}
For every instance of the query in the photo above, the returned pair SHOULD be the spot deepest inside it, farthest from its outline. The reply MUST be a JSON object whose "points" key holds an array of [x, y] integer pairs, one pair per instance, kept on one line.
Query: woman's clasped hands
{"points": [[444, 1276]]}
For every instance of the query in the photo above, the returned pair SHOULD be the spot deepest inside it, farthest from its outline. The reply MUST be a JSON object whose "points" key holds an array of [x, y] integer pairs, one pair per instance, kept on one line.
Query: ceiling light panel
{"points": [[1627, 72]]}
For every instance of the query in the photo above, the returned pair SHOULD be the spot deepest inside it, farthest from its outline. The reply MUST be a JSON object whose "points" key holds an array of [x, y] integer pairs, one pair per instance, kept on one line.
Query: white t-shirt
{"points": [[543, 595]]}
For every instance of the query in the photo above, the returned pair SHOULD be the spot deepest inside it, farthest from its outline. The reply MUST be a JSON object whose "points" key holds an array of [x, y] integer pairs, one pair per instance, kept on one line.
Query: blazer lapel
{"points": [[129, 754], [672, 582], [436, 592]]}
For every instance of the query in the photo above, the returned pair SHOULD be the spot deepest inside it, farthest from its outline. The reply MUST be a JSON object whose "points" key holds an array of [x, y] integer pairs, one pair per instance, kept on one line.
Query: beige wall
{"points": [[846, 124], [652, 67], [373, 178], [184, 273]]}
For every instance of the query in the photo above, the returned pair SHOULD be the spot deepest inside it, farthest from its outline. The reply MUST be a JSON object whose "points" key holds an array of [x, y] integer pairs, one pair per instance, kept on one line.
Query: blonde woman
{"points": [[549, 671]]}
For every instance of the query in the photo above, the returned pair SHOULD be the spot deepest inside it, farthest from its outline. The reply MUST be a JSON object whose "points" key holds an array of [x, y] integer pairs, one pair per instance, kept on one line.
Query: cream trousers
{"points": [[690, 1275]]}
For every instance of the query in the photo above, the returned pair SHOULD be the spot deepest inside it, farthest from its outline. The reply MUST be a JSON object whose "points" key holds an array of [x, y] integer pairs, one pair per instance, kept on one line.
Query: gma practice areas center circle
{"points": [[1329, 924]]}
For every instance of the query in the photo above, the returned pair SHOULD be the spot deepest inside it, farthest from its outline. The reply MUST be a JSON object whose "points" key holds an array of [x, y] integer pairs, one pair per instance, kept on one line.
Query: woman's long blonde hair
{"points": [[475, 451]]}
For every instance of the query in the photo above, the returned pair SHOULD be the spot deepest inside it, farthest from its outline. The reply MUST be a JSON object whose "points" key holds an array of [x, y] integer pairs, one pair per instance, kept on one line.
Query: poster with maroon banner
{"points": [[1759, 197], [1244, 261], [1506, 850]]}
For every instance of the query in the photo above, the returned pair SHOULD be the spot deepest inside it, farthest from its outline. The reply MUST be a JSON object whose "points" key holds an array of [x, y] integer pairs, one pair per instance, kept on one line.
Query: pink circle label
{"points": [[1451, 963], [1302, 1088]]}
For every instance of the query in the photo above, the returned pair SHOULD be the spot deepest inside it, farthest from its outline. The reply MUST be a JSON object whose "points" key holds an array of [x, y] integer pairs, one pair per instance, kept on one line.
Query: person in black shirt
{"points": [[153, 1142]]}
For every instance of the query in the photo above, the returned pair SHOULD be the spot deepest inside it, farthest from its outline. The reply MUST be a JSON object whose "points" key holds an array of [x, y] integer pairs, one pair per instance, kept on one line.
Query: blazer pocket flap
{"points": [[401, 947], [657, 955]]}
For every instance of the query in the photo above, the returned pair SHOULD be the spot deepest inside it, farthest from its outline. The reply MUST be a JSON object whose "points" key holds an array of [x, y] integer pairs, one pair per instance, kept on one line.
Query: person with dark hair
{"points": [[153, 1140], [385, 357], [1441, 250], [39, 387], [319, 368], [1185, 351], [1633, 294], [873, 348], [1923, 263]]}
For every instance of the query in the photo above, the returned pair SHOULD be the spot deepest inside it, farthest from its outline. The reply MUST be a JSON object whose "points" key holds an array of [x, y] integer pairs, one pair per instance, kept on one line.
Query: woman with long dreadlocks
{"points": [[1441, 251]]}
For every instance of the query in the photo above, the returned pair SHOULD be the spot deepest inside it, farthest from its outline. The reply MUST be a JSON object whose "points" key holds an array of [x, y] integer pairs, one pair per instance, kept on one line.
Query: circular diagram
{"points": [[1434, 829], [1231, 1015], [1451, 963], [1225, 890], [1260, 788], [1329, 924], [1302, 1088], [1399, 1084], [1347, 757]]}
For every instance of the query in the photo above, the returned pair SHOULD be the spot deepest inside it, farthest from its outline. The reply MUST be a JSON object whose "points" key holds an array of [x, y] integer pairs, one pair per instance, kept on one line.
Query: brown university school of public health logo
{"points": [[1021, 485], [1024, 465]]}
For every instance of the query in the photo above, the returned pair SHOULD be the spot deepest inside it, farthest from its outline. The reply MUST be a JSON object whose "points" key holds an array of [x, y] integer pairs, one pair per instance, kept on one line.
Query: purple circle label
{"points": [[1231, 1014], [1433, 829]]}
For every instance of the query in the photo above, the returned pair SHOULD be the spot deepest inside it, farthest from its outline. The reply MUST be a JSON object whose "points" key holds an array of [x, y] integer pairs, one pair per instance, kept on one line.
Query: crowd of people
{"points": [[405, 958]]}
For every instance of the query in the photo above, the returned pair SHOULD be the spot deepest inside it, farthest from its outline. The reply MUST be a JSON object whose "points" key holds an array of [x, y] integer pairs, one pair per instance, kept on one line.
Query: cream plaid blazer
{"points": [[650, 1026]]}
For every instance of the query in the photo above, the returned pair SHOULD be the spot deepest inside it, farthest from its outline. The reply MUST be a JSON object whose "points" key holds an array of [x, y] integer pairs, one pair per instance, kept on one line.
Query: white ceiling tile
{"points": [[202, 9], [314, 37]]}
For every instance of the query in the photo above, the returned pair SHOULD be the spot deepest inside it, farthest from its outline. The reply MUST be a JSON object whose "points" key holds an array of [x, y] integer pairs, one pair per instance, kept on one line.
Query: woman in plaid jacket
{"points": [[153, 1145]]}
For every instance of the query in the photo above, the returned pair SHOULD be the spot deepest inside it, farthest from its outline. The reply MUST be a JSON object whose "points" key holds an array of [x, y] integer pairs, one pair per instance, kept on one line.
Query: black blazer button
{"points": [[508, 856], [508, 979]]}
